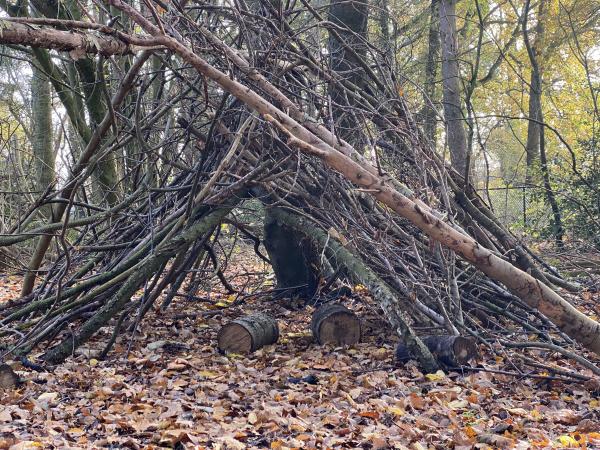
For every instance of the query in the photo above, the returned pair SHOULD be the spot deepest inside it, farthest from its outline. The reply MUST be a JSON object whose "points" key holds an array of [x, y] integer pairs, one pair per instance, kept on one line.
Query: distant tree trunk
{"points": [[345, 51], [453, 115], [431, 69], [383, 18], [106, 176], [536, 143], [42, 142], [43, 152], [532, 146]]}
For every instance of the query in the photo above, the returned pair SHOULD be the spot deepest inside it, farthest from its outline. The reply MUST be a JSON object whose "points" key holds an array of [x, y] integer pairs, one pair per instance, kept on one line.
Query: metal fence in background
{"points": [[520, 208]]}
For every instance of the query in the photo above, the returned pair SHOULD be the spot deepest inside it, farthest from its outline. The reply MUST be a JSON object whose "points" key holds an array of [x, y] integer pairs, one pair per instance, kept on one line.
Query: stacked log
{"points": [[247, 334], [335, 324], [452, 351]]}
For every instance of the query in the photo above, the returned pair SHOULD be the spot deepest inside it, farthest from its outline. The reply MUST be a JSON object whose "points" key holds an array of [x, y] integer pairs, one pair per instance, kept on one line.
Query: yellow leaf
{"points": [[207, 374], [536, 414], [276, 445], [93, 362], [567, 441], [396, 411], [439, 375], [470, 432]]}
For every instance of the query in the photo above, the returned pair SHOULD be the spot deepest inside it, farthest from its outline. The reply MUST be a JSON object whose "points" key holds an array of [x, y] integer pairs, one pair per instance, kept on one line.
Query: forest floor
{"points": [[168, 387]]}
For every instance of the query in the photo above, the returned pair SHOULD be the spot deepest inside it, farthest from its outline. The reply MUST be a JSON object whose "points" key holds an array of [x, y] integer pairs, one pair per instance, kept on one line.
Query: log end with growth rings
{"points": [[335, 324]]}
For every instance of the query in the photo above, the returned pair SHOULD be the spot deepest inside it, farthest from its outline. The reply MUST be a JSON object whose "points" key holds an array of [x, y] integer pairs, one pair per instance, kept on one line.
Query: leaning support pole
{"points": [[364, 275], [535, 293]]}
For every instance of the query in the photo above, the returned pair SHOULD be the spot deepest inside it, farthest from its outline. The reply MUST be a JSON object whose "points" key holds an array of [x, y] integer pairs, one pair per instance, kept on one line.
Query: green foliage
{"points": [[581, 197]]}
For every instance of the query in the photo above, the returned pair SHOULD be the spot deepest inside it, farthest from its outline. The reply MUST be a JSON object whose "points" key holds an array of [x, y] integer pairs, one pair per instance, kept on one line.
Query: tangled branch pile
{"points": [[224, 104]]}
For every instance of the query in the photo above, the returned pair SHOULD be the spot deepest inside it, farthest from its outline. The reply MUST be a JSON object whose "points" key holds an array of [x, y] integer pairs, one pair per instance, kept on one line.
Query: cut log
{"points": [[8, 378], [452, 351], [248, 334], [333, 323]]}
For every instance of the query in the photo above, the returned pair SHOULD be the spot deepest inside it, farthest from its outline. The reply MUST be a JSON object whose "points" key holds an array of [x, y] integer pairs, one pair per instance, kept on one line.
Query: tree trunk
{"points": [[453, 115], [293, 257], [335, 324], [536, 143], [44, 159], [105, 176], [431, 69], [452, 351], [532, 146], [346, 47], [42, 141]]}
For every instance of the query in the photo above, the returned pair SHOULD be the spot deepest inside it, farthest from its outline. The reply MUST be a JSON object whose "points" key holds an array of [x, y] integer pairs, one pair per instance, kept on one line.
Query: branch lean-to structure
{"points": [[250, 100]]}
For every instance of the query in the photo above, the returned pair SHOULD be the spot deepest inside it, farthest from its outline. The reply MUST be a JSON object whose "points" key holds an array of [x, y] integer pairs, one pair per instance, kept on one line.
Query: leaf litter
{"points": [[168, 387]]}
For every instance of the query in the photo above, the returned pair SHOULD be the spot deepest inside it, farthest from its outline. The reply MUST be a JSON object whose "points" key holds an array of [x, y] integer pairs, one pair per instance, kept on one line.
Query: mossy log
{"points": [[335, 324], [247, 334], [452, 351]]}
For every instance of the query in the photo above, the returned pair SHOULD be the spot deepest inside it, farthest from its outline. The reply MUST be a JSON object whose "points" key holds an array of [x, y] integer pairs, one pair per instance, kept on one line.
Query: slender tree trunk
{"points": [[384, 38], [42, 141], [431, 70], [532, 146], [105, 176], [536, 143], [455, 131], [344, 53], [43, 152]]}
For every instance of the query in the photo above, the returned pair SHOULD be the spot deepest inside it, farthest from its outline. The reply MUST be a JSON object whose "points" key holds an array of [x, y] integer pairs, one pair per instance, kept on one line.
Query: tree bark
{"points": [[42, 141], [293, 257], [351, 17], [453, 114], [69, 41], [431, 69]]}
